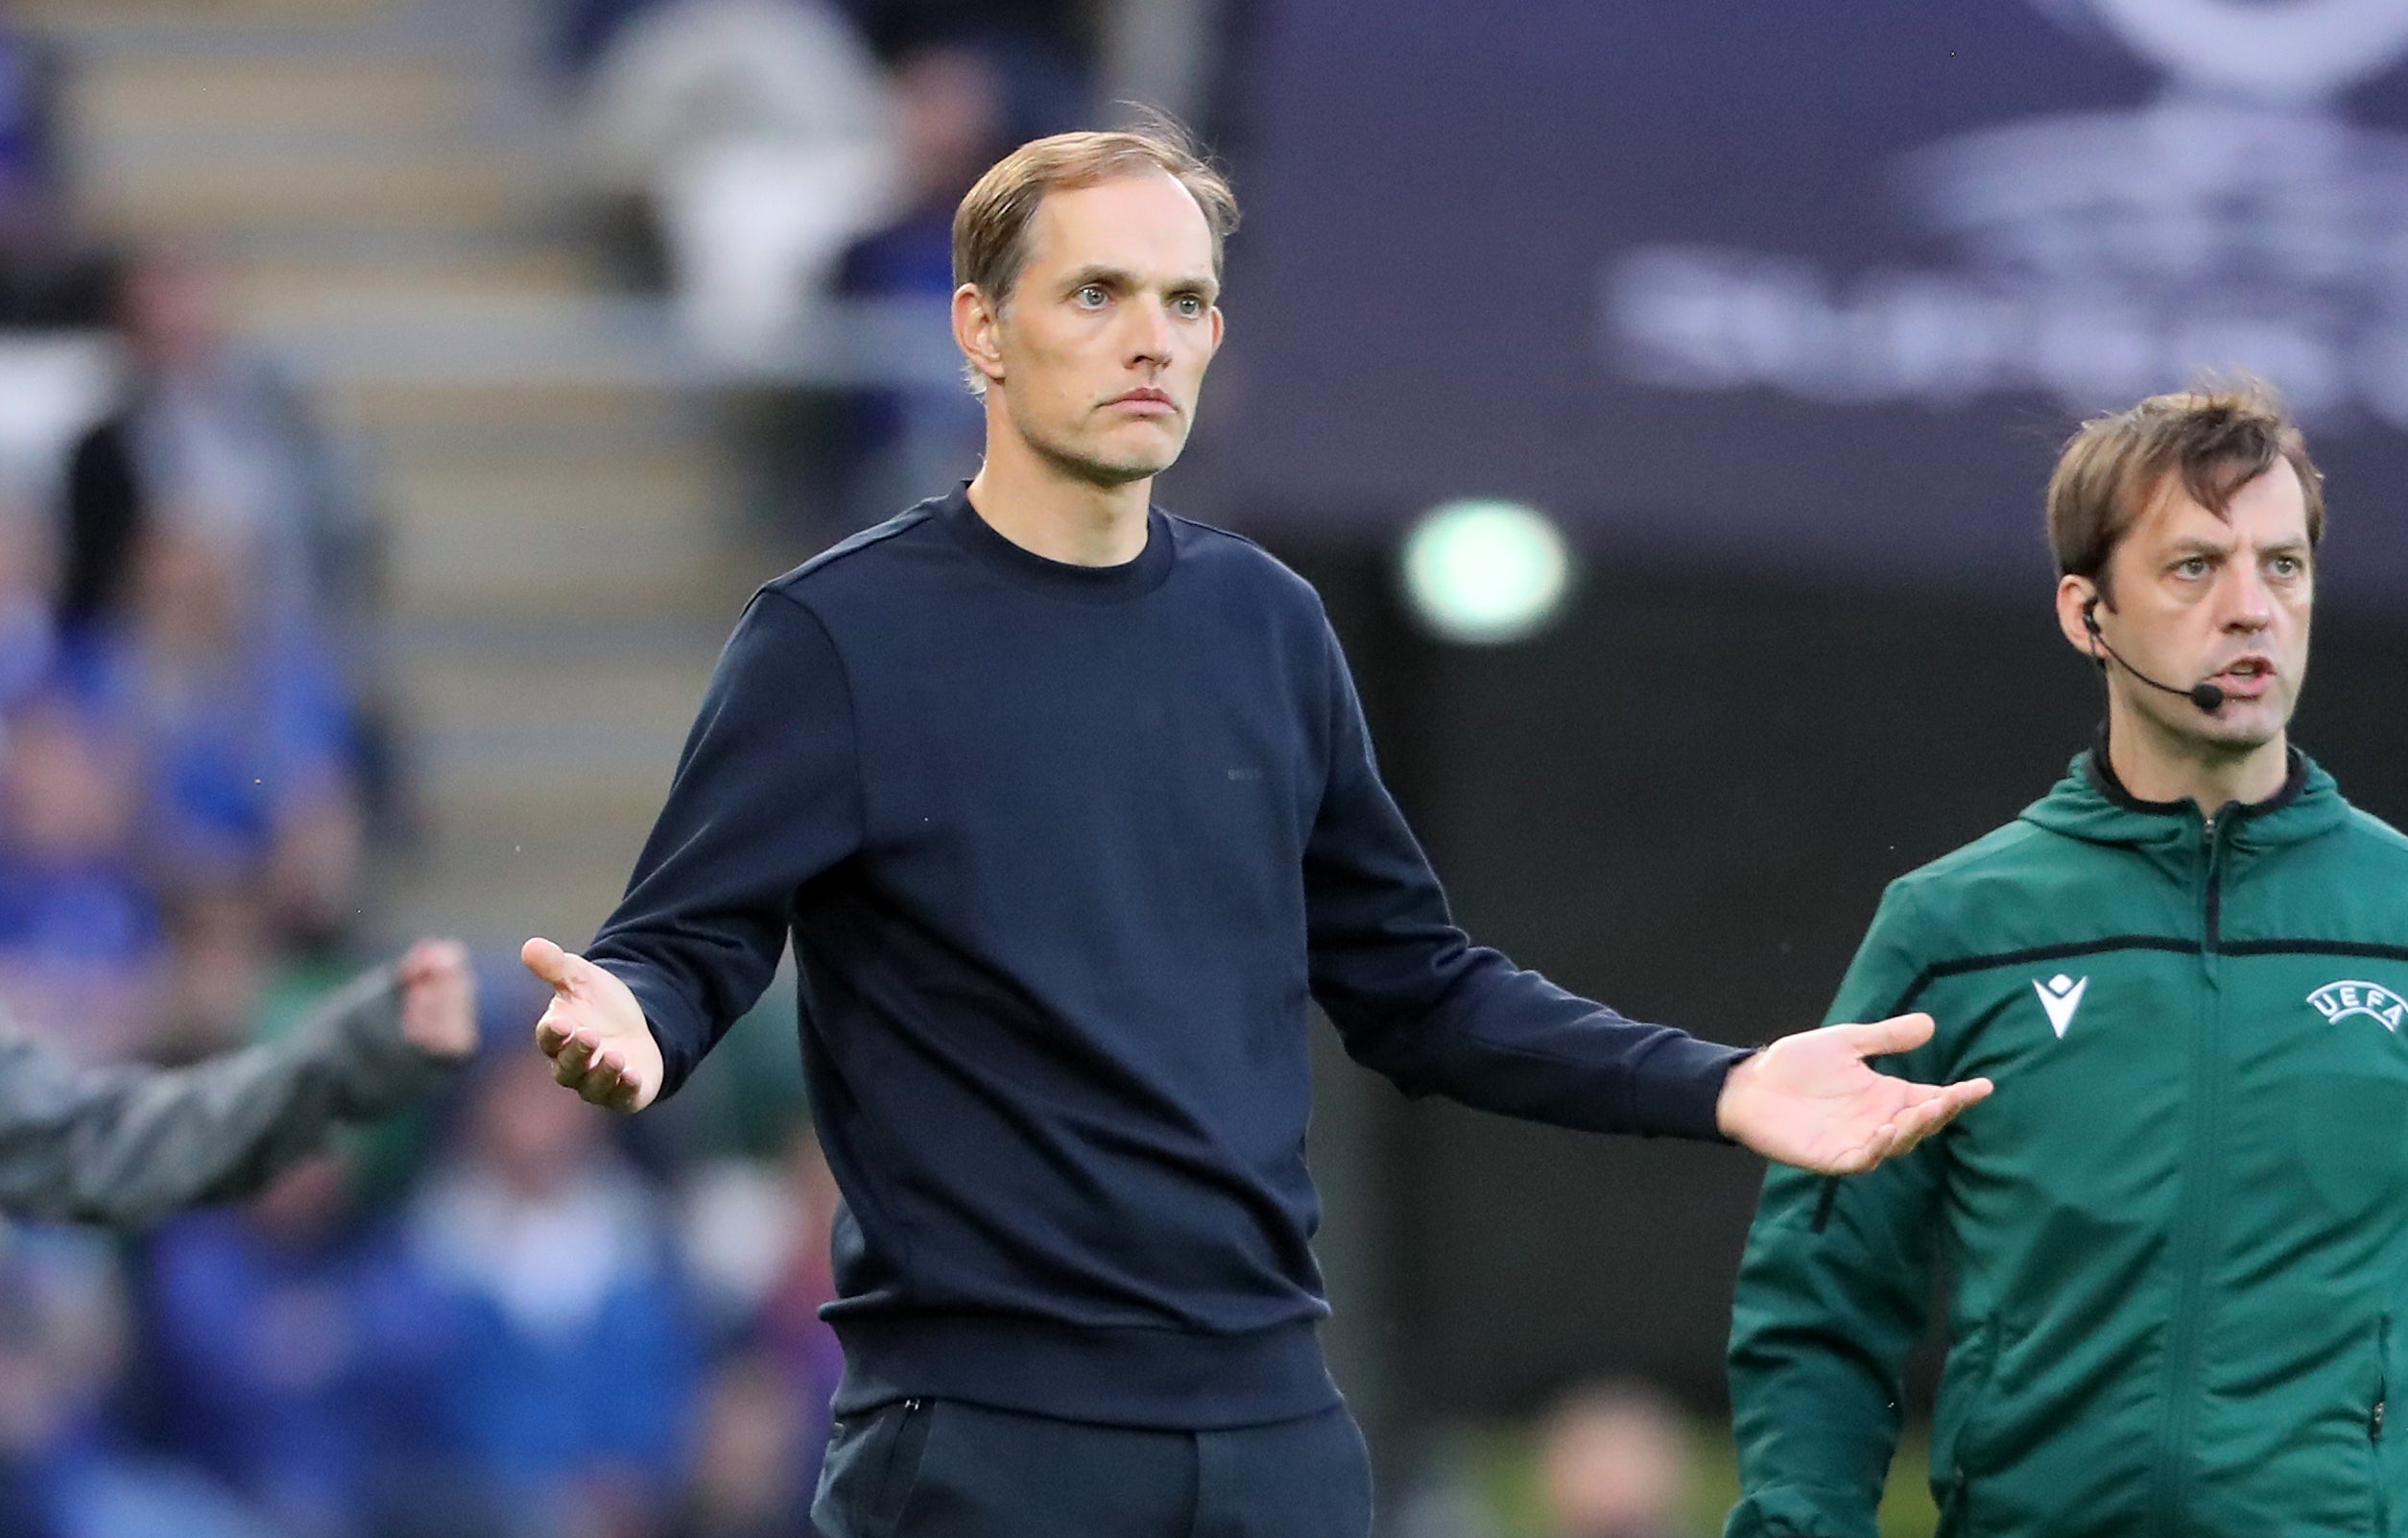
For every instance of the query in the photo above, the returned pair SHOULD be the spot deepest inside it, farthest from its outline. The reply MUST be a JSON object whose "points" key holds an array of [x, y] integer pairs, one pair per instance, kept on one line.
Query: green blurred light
{"points": [[1483, 572]]}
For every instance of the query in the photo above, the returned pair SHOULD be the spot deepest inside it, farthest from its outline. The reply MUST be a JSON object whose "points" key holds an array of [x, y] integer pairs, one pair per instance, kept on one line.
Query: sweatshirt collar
{"points": [[1094, 584]]}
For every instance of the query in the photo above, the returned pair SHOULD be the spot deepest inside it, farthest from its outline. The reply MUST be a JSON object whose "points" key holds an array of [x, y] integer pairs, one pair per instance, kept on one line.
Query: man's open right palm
{"points": [[593, 1030]]}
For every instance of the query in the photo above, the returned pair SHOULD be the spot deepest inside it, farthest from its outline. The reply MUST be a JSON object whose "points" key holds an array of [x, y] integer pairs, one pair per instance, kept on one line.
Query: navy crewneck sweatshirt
{"points": [[1066, 852]]}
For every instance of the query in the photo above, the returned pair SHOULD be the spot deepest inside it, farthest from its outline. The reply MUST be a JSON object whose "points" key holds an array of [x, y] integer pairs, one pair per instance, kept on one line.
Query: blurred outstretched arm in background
{"points": [[127, 1144]]}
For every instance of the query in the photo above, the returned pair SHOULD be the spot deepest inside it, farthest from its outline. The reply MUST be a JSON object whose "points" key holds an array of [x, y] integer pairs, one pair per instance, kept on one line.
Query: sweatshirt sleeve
{"points": [[1832, 1294], [1416, 1000], [766, 796], [127, 1144]]}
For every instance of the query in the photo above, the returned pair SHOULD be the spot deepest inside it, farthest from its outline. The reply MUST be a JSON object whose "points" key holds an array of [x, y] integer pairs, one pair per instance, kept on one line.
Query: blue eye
{"points": [[1091, 297]]}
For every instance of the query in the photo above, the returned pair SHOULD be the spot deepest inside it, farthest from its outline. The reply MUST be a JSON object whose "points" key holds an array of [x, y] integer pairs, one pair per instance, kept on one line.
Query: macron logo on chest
{"points": [[2061, 996]]}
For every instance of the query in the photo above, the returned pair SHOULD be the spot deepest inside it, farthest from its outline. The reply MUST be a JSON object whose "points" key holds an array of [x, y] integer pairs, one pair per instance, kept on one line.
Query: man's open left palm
{"points": [[1811, 1100]]}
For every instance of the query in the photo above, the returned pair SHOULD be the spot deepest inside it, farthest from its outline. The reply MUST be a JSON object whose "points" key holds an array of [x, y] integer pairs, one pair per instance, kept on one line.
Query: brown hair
{"points": [[991, 226], [2214, 440]]}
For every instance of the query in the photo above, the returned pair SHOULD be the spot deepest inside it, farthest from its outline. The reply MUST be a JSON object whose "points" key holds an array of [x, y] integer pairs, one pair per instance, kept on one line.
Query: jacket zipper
{"points": [[2197, 1223], [1960, 1512], [2374, 1422]]}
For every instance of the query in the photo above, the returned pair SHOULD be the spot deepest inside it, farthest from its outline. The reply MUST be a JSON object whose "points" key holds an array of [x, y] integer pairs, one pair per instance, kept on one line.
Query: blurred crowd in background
{"points": [[503, 1318], [509, 1316]]}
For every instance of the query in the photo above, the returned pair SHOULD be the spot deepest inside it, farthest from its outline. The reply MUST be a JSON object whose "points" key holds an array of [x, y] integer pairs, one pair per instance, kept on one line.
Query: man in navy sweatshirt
{"points": [[1068, 807]]}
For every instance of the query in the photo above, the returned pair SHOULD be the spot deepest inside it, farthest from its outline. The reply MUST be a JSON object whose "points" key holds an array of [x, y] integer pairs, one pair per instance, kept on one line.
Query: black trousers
{"points": [[941, 1469]]}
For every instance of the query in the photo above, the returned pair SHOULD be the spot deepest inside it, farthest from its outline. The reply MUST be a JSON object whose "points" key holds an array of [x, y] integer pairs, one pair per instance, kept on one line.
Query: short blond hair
{"points": [[991, 226], [2214, 440]]}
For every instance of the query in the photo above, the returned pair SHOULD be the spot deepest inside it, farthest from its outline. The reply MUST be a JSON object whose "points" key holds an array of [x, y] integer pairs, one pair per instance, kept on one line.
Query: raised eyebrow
{"points": [[1111, 278], [1120, 281]]}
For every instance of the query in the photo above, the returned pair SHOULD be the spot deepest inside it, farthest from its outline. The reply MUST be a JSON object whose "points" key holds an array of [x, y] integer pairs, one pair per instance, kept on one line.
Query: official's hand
{"points": [[1809, 1099], [594, 1031], [439, 1000]]}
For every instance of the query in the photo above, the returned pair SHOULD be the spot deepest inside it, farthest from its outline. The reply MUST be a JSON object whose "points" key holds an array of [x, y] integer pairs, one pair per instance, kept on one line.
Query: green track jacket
{"points": [[2177, 1236]]}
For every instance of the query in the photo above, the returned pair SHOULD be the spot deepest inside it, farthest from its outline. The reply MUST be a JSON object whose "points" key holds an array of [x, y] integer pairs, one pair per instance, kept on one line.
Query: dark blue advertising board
{"points": [[1814, 286]]}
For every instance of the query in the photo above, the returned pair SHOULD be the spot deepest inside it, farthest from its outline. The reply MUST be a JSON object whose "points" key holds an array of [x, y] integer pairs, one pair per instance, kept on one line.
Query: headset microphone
{"points": [[2207, 696]]}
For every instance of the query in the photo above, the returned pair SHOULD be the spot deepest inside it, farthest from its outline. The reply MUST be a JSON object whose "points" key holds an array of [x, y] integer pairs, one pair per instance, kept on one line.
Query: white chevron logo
{"points": [[2061, 996]]}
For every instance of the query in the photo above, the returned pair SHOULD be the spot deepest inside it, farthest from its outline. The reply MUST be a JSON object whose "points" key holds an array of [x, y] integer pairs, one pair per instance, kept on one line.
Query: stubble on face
{"points": [[2197, 594], [1080, 459], [1116, 296]]}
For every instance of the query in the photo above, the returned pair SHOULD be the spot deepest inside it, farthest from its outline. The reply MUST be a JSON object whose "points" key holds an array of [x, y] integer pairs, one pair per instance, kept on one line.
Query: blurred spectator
{"points": [[756, 134], [65, 1472], [584, 29], [216, 575], [566, 1378], [758, 1455], [50, 277], [756, 1235], [79, 934], [1045, 51], [28, 639], [243, 733], [291, 1342], [220, 956], [61, 1341], [896, 443], [211, 448], [1173, 55], [1615, 1463], [29, 146], [789, 1323]]}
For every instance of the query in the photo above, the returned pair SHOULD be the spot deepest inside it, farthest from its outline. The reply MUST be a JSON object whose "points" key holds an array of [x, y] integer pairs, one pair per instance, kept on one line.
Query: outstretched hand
{"points": [[439, 1000], [594, 1031], [1811, 1101]]}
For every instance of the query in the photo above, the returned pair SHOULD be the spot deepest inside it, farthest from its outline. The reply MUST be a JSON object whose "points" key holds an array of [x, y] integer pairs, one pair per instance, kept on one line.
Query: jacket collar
{"points": [[2091, 803]]}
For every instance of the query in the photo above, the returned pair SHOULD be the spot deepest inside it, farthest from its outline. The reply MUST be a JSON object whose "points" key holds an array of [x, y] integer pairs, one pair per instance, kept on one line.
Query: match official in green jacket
{"points": [[2177, 1236]]}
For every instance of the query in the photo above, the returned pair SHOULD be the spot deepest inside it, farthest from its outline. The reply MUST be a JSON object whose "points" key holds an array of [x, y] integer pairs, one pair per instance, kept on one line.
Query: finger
{"points": [[550, 962], [629, 1094], [1870, 1152], [1946, 1100], [1917, 1122], [575, 1058], [553, 1031], [1971, 1092], [431, 961], [1897, 1034], [1946, 1095], [1952, 1102], [1949, 1102], [416, 963], [607, 1082]]}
